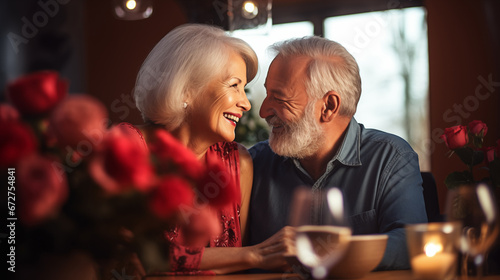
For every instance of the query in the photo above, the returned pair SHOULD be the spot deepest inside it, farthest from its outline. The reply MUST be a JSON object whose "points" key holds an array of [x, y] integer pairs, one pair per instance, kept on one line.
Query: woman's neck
{"points": [[197, 145]]}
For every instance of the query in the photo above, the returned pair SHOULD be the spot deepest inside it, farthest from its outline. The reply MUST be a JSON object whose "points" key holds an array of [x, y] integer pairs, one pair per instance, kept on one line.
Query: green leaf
{"points": [[477, 141], [456, 179], [469, 156]]}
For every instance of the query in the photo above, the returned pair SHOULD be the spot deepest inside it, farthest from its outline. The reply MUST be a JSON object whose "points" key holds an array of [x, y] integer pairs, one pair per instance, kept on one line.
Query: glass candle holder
{"points": [[433, 250]]}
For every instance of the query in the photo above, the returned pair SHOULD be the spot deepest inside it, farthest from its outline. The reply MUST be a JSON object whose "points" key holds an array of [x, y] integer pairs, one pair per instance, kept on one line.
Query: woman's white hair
{"points": [[331, 67], [179, 67]]}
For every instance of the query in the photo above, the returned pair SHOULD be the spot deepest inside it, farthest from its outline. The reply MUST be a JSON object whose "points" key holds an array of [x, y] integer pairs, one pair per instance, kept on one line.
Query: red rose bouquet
{"points": [[467, 142], [79, 184]]}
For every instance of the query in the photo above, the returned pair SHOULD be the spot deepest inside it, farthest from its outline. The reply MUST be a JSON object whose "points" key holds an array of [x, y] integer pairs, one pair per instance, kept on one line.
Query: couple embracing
{"points": [[192, 85]]}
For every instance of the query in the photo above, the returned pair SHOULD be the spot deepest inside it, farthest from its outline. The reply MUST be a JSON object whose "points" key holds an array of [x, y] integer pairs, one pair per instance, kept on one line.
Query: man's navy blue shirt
{"points": [[377, 172]]}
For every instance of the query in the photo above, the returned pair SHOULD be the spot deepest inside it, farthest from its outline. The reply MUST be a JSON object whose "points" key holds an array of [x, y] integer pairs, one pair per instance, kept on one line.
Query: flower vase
{"points": [[475, 206], [493, 258]]}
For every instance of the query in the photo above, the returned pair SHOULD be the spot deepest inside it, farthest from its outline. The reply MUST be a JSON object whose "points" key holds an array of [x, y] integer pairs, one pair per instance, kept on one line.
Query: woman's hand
{"points": [[268, 255], [271, 254]]}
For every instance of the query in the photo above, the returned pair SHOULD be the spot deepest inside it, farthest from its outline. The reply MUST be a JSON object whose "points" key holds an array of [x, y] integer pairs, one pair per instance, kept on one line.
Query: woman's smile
{"points": [[232, 118]]}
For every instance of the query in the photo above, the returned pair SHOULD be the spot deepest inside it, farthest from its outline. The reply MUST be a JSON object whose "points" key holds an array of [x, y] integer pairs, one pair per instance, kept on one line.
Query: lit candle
{"points": [[434, 264]]}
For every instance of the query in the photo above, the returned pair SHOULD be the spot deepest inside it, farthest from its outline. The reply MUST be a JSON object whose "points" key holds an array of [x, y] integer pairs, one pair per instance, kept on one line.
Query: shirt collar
{"points": [[349, 152]]}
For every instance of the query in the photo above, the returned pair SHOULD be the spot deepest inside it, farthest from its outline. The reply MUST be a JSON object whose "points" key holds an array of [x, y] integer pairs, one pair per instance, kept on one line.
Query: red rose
{"points": [[168, 148], [490, 153], [16, 141], [134, 134], [478, 128], [201, 227], [80, 122], [40, 187], [218, 186], [172, 192], [8, 113], [37, 93], [123, 162], [455, 137]]}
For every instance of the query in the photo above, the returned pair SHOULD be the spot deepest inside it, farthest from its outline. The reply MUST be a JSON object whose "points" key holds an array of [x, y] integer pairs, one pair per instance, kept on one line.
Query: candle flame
{"points": [[431, 249], [131, 4], [249, 6]]}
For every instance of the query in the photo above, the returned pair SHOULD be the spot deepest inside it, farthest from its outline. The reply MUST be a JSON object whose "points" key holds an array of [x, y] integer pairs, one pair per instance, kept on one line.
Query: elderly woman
{"points": [[192, 84]]}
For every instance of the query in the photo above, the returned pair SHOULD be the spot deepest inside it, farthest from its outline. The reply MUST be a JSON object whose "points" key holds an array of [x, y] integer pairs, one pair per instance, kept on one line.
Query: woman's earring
{"points": [[184, 105]]}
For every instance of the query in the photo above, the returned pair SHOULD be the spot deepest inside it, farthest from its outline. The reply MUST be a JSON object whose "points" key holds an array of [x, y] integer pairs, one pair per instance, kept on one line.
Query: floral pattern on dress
{"points": [[186, 260]]}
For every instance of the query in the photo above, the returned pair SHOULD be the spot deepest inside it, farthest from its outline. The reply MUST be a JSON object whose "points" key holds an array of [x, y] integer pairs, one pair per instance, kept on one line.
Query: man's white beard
{"points": [[298, 139]]}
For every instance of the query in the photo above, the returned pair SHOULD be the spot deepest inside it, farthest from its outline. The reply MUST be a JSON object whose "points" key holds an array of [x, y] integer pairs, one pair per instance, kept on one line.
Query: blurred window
{"points": [[391, 50]]}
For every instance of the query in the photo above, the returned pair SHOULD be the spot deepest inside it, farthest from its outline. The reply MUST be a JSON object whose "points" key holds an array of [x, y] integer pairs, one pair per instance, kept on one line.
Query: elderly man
{"points": [[313, 87]]}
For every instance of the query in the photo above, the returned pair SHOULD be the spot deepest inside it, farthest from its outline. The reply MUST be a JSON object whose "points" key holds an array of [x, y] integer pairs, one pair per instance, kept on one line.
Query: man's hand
{"points": [[271, 254]]}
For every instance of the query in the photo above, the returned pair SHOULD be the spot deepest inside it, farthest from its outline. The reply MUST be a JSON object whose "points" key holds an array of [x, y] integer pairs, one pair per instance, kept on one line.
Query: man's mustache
{"points": [[274, 121]]}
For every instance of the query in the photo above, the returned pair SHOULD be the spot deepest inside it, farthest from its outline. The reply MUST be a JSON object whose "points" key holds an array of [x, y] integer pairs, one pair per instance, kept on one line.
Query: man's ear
{"points": [[331, 106]]}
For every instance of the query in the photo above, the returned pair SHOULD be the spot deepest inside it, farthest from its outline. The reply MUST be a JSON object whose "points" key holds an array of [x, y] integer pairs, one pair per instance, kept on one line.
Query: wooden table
{"points": [[379, 275]]}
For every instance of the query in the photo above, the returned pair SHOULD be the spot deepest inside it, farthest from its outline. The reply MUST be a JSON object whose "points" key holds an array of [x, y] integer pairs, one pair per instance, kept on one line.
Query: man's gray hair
{"points": [[332, 68]]}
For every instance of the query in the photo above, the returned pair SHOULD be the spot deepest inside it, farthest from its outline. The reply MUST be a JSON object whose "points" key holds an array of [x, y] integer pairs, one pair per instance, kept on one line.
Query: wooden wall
{"points": [[115, 50], [464, 75]]}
